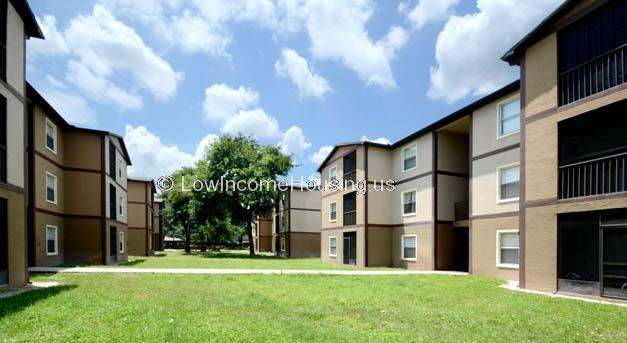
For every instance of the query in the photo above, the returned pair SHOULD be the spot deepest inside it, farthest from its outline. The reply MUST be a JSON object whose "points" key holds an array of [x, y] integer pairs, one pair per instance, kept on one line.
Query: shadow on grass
{"points": [[15, 304], [132, 263], [222, 254]]}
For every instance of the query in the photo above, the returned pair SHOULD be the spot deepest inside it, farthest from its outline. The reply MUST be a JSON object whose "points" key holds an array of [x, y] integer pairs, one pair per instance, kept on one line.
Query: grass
{"points": [[231, 259], [291, 308]]}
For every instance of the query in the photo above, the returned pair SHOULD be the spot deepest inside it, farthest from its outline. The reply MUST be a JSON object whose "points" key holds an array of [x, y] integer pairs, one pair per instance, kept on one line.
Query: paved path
{"points": [[233, 271]]}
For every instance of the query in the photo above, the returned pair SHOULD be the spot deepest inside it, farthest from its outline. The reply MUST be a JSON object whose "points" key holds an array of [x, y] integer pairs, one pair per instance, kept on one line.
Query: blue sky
{"points": [[170, 75]]}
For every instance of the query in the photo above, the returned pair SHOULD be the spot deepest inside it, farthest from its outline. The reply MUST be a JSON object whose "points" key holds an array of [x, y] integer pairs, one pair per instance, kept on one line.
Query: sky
{"points": [[170, 76]]}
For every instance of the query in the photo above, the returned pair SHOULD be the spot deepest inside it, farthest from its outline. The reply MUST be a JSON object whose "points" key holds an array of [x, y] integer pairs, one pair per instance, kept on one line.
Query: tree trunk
{"points": [[249, 230], [188, 248]]}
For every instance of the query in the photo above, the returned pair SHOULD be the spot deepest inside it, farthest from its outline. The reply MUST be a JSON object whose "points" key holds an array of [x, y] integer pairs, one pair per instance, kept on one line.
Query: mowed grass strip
{"points": [[298, 308], [228, 259]]}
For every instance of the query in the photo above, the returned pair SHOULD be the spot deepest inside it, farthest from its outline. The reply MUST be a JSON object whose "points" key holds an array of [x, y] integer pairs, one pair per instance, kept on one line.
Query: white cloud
{"points": [[291, 65], [72, 107], [337, 31], [427, 11], [54, 44], [318, 157], [99, 88], [222, 101], [255, 122], [478, 40], [151, 158], [380, 140], [293, 142]]}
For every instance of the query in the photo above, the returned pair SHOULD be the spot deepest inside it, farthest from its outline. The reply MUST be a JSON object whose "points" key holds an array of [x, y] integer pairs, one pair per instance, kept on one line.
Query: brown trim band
{"points": [[555, 201], [14, 91], [399, 182], [331, 194], [304, 209], [495, 215], [114, 221], [592, 97], [497, 151], [450, 173], [305, 232], [136, 228], [11, 188], [540, 115], [342, 227], [392, 226], [66, 215], [64, 168], [136, 202]]}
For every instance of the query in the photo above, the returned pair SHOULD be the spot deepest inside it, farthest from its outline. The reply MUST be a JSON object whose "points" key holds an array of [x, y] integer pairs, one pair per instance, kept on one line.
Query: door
{"points": [[113, 244], [4, 243], [614, 262], [350, 248]]}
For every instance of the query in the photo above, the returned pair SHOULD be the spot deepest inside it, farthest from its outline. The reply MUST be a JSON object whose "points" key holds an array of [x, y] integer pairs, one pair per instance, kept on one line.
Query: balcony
{"points": [[350, 209], [594, 177], [350, 218], [599, 74], [350, 178]]}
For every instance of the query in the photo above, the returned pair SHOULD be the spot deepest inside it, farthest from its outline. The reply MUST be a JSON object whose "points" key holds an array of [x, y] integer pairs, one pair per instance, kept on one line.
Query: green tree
{"points": [[241, 160], [180, 206]]}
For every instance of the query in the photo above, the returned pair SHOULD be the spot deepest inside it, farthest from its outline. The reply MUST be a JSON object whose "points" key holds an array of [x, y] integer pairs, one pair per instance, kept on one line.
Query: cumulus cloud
{"points": [[293, 66], [74, 108], [100, 48], [478, 40], [255, 122], [427, 11], [222, 101], [318, 157], [294, 142], [380, 140], [151, 158]]}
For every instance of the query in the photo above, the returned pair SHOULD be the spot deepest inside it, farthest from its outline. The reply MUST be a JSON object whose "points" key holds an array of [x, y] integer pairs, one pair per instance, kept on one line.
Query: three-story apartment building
{"points": [[17, 23], [77, 195], [141, 236], [262, 233], [296, 223], [573, 143], [157, 224]]}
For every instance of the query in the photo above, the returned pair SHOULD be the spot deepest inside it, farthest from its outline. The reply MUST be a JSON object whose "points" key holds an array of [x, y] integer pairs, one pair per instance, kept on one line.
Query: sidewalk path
{"points": [[233, 271]]}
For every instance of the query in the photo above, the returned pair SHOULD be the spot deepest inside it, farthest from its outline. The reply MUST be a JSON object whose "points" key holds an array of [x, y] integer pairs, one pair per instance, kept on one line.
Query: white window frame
{"points": [[334, 167], [333, 220], [403, 214], [403, 248], [498, 183], [498, 250], [121, 205], [56, 189], [499, 105], [407, 147], [282, 243], [54, 138], [56, 240], [122, 243], [331, 238]]}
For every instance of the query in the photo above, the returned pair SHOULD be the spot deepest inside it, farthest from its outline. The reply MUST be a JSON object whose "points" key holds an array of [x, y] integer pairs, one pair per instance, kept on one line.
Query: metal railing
{"points": [[598, 74], [461, 210], [350, 218], [593, 177], [350, 178]]}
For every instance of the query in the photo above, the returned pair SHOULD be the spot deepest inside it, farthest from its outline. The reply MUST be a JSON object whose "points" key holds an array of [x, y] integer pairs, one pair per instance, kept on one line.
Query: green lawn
{"points": [[291, 308], [227, 259]]}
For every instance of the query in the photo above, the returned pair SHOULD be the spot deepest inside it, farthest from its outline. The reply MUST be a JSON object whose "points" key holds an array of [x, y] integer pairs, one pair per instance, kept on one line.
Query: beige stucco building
{"points": [[141, 235], [262, 233], [17, 23], [573, 143], [157, 224], [296, 223], [77, 205]]}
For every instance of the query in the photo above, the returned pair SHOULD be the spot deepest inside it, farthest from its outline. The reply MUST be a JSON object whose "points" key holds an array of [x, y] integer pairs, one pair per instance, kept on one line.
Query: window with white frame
{"points": [[120, 169], [408, 199], [409, 157], [509, 117], [51, 188], [408, 244], [52, 244], [333, 174], [51, 136], [509, 182], [282, 243], [122, 242], [333, 211], [120, 206], [507, 245], [333, 246]]}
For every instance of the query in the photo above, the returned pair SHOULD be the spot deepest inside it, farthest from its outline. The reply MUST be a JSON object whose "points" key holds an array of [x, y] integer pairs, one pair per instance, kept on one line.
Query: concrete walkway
{"points": [[126, 270], [513, 285]]}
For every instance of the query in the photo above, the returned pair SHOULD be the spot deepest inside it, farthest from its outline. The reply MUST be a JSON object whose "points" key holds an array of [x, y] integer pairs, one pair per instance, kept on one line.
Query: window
{"points": [[409, 247], [112, 205], [509, 117], [3, 39], [333, 212], [409, 202], [409, 158], [282, 243], [3, 138], [509, 183], [120, 169], [122, 242], [121, 208], [51, 188], [333, 246], [51, 240], [112, 160], [333, 174], [507, 248], [51, 136]]}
